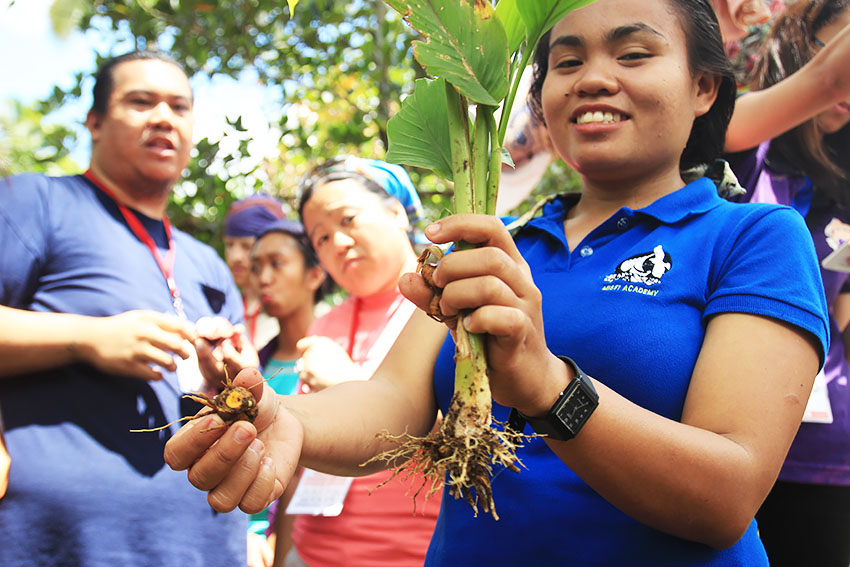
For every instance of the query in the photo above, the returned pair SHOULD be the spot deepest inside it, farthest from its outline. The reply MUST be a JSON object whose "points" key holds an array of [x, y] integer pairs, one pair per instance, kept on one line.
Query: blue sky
{"points": [[33, 59]]}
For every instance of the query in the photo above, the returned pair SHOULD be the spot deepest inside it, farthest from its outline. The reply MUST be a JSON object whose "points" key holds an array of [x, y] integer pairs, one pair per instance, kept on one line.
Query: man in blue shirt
{"points": [[100, 301]]}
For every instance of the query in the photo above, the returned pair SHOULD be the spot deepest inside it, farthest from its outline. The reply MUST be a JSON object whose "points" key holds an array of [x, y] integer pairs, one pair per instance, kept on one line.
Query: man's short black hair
{"points": [[104, 79]]}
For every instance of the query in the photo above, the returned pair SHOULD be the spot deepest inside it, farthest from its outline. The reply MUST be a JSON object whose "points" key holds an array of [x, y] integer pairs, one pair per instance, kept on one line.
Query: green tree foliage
{"points": [[29, 143], [339, 70]]}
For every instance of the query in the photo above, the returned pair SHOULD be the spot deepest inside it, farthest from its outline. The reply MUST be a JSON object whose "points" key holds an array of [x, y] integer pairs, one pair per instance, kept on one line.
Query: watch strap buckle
{"points": [[516, 421]]}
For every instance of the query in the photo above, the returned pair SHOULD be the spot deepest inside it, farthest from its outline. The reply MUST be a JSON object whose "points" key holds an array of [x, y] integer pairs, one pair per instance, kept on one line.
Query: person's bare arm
{"points": [[5, 463], [763, 115], [126, 344], [332, 431], [703, 479]]}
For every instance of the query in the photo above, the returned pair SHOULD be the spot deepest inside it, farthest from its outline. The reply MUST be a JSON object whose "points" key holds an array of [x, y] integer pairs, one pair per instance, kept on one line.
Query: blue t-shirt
{"points": [[84, 490], [630, 305]]}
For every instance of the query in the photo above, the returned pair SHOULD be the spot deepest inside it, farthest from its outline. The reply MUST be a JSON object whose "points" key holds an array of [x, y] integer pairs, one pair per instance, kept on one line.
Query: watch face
{"points": [[575, 408]]}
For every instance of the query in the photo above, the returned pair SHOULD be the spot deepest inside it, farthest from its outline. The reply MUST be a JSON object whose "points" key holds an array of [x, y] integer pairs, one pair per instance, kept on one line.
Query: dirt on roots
{"points": [[460, 456]]}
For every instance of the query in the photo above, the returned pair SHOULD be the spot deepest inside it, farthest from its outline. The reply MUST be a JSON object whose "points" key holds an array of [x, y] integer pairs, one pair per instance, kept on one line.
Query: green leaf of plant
{"points": [[540, 15], [507, 159], [464, 43], [514, 25], [419, 132]]}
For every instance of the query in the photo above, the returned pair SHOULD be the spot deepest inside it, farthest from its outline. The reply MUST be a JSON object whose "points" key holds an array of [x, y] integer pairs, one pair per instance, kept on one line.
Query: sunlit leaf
{"points": [[65, 15], [464, 43], [513, 23], [419, 132], [540, 15]]}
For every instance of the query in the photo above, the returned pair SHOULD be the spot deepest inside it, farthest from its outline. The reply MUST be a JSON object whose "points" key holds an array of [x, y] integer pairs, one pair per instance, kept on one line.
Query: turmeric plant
{"points": [[474, 55]]}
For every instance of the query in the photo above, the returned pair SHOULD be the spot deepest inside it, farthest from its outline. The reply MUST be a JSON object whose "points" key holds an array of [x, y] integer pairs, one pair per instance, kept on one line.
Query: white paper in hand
{"points": [[319, 494], [839, 259]]}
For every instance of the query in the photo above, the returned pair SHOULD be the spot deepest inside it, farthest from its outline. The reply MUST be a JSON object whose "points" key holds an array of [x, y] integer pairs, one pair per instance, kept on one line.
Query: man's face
{"points": [[145, 136], [237, 254]]}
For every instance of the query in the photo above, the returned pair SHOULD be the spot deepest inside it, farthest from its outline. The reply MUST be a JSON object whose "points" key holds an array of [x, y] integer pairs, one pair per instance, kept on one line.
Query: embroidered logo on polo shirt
{"points": [[646, 269]]}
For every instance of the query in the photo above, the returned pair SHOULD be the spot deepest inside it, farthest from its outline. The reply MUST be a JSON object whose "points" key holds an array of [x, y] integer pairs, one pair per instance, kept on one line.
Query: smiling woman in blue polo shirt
{"points": [[700, 333]]}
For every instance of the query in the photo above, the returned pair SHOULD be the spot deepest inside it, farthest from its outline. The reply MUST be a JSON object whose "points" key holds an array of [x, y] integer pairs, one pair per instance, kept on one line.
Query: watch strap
{"points": [[568, 414]]}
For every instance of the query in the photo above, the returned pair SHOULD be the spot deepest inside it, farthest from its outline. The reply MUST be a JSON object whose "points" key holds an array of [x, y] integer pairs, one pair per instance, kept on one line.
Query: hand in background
{"points": [[222, 347], [325, 363], [260, 551], [5, 462], [134, 343]]}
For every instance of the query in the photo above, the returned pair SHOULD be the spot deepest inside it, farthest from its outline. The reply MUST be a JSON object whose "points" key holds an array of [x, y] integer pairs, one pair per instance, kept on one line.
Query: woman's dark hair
{"points": [[791, 43], [335, 169], [705, 55], [295, 230], [104, 80]]}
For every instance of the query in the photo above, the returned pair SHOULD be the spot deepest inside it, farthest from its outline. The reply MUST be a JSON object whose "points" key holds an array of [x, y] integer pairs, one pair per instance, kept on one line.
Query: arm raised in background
{"points": [[765, 114]]}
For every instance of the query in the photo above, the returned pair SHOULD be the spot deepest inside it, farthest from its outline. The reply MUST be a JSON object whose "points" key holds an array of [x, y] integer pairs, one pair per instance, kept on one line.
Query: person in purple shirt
{"points": [[806, 517]]}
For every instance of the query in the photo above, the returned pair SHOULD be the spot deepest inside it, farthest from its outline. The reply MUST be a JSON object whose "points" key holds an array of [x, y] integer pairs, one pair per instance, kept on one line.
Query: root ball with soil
{"points": [[463, 452]]}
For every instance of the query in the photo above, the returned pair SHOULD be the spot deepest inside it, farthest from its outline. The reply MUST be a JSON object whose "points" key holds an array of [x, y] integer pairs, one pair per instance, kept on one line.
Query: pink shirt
{"points": [[377, 529]]}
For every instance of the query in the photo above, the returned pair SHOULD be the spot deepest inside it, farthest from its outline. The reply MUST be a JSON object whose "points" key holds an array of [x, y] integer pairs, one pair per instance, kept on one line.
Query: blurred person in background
{"points": [[806, 517], [360, 216], [290, 285], [244, 221]]}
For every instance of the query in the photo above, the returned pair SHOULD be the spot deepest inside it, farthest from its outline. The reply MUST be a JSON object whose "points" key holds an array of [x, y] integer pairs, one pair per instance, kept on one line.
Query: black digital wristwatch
{"points": [[568, 414]]}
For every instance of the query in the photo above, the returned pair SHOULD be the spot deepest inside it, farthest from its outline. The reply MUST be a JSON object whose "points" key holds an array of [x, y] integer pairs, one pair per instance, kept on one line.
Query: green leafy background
{"points": [[339, 69]]}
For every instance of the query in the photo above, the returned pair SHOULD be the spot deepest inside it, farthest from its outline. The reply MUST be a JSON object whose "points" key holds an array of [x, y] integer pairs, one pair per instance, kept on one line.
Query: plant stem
{"points": [[527, 54], [495, 162], [458, 118], [480, 154], [471, 384]]}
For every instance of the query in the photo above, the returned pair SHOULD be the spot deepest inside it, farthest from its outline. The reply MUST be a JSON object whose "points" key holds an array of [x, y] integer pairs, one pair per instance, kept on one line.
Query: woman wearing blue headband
{"points": [[359, 216]]}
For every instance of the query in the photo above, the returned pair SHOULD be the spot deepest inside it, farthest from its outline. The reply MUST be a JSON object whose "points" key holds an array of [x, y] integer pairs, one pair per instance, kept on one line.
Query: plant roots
{"points": [[460, 455]]}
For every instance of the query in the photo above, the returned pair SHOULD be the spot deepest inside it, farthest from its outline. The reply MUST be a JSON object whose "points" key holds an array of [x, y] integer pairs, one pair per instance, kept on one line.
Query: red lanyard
{"points": [[352, 329], [251, 319], [166, 265]]}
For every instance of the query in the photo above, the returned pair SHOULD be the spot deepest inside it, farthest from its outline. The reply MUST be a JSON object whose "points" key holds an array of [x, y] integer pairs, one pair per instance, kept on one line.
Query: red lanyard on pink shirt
{"points": [[166, 265], [352, 329], [251, 319]]}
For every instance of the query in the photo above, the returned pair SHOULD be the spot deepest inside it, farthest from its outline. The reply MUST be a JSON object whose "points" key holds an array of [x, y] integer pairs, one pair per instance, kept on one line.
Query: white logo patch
{"points": [[646, 268]]}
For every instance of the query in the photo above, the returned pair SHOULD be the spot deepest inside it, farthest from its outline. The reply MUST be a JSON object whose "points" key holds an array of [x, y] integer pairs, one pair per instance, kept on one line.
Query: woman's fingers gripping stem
{"points": [[493, 274], [481, 230], [495, 284]]}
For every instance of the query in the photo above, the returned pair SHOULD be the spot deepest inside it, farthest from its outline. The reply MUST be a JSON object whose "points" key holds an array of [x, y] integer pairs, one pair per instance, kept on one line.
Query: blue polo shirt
{"points": [[84, 490], [630, 305]]}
